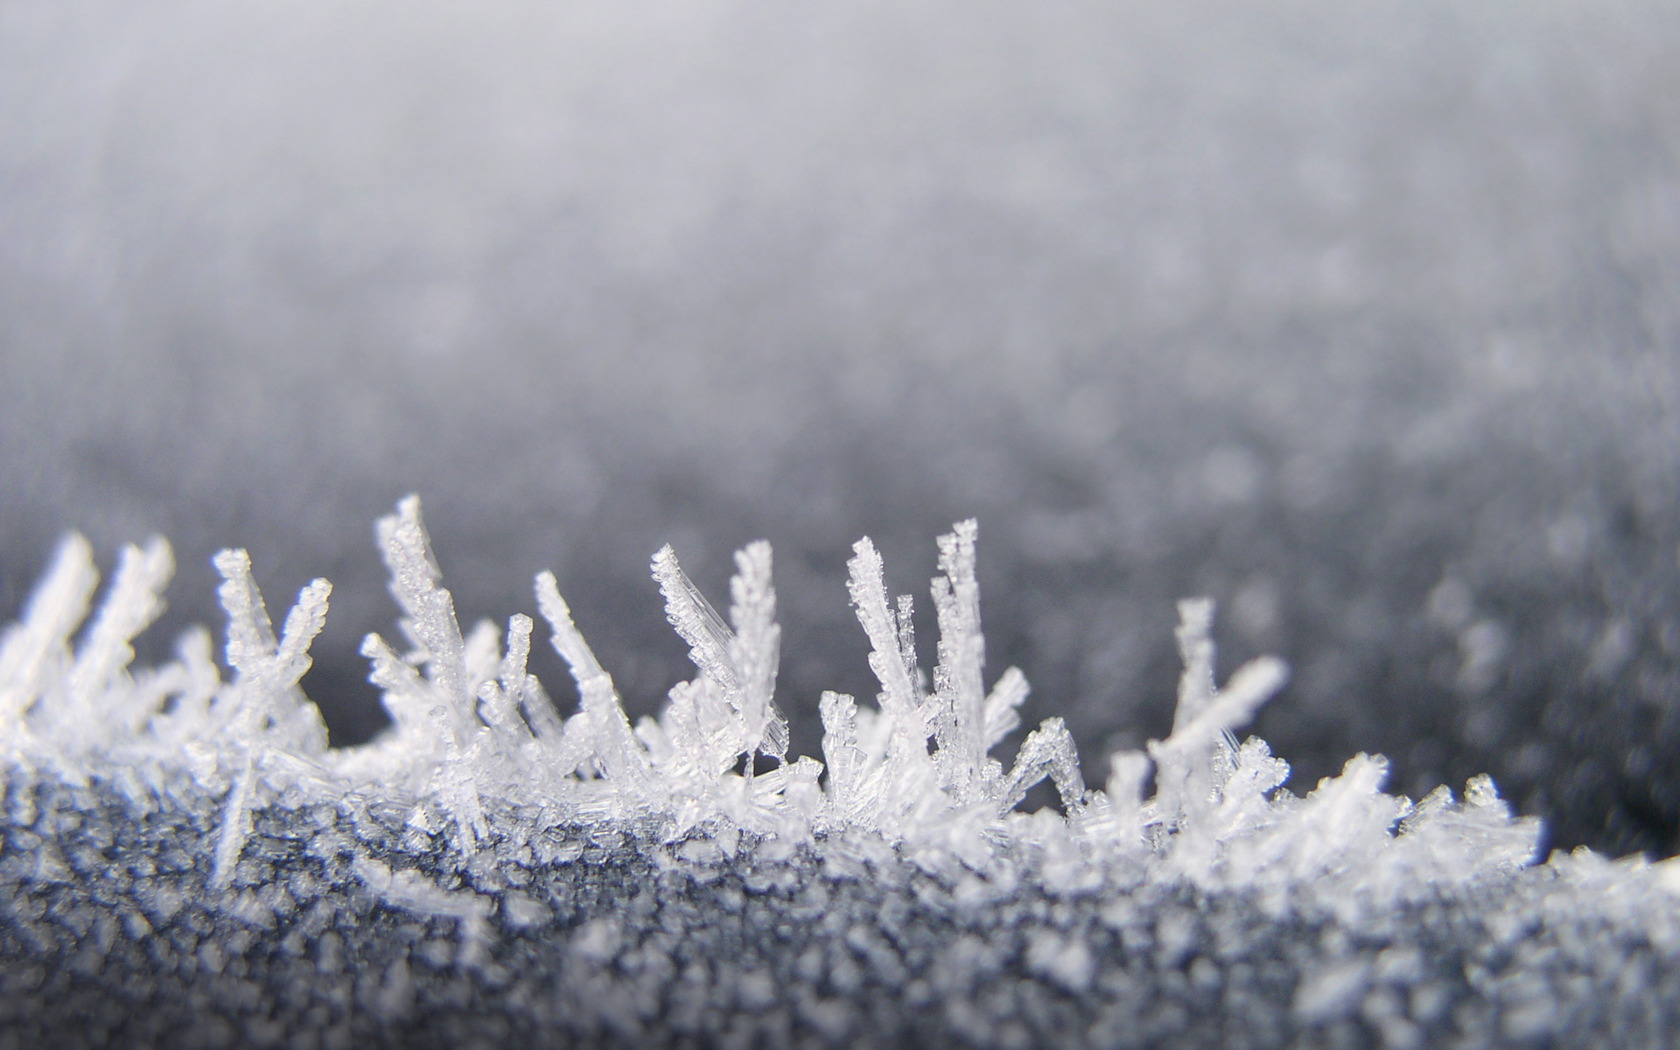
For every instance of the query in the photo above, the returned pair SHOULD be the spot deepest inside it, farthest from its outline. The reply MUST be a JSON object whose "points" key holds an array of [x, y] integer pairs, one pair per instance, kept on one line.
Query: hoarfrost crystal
{"points": [[471, 728], [486, 776]]}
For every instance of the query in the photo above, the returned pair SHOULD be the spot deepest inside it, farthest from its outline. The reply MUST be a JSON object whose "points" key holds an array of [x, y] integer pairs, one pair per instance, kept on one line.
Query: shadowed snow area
{"points": [[1364, 320]]}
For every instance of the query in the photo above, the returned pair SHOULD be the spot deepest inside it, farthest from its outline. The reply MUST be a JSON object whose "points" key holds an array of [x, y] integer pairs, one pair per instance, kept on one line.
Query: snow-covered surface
{"points": [[487, 868]]}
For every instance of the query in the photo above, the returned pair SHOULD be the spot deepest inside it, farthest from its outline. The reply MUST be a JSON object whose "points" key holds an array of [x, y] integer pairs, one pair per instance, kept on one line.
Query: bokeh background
{"points": [[1362, 319]]}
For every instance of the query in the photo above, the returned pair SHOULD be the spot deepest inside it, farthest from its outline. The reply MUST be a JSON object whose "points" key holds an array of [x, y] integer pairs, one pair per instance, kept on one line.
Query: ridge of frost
{"points": [[474, 734]]}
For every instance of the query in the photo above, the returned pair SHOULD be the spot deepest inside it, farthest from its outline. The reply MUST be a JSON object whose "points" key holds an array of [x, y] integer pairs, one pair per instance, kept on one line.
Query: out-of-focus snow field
{"points": [[1363, 319]]}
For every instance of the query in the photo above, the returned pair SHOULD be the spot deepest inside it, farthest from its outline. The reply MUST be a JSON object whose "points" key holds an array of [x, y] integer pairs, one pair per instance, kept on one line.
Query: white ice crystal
{"points": [[472, 731]]}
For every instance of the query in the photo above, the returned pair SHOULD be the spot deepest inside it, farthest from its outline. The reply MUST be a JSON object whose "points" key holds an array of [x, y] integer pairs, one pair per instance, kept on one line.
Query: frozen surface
{"points": [[204, 870]]}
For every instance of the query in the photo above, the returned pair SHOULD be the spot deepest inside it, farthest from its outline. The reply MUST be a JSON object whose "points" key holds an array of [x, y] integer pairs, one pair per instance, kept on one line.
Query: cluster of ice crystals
{"points": [[478, 753]]}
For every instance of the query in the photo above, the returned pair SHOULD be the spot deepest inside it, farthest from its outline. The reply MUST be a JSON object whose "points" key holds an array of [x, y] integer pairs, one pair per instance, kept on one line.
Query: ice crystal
{"points": [[480, 773], [471, 728]]}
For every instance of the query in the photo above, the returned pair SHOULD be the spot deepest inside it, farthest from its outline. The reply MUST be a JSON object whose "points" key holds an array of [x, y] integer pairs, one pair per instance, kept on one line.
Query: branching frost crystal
{"points": [[471, 728]]}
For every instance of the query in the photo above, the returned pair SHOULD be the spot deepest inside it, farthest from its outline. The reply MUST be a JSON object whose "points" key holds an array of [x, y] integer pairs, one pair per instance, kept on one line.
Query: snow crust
{"points": [[480, 782]]}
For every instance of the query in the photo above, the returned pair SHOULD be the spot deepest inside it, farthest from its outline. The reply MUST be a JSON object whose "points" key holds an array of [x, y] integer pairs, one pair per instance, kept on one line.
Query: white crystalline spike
{"points": [[1047, 751], [133, 602], [719, 724], [1247, 691], [513, 674], [502, 697], [687, 740], [297, 723], [416, 583], [906, 616], [755, 650], [802, 797], [406, 696], [1002, 716], [566, 638], [899, 693], [501, 717], [1438, 801], [708, 637], [457, 790], [610, 737], [776, 734], [268, 669], [57, 607], [149, 689], [236, 825], [962, 655], [1199, 753], [303, 625], [540, 713], [840, 747], [250, 633], [1127, 772], [1195, 648], [1201, 849]]}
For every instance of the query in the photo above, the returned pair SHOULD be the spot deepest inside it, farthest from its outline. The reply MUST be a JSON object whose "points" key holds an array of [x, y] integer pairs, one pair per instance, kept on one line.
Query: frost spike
{"points": [[130, 606], [501, 698], [900, 697], [755, 650], [1048, 750], [250, 633], [1194, 634], [1127, 771], [907, 642], [269, 670], [611, 737], [540, 713], [57, 607], [236, 825], [840, 748], [518, 652], [1001, 714], [1192, 763], [962, 655], [1244, 694], [416, 584], [402, 690], [694, 619], [303, 625]]}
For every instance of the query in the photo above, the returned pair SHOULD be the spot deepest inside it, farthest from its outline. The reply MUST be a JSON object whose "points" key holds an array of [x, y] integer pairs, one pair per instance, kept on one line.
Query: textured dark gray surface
{"points": [[112, 938], [1304, 306]]}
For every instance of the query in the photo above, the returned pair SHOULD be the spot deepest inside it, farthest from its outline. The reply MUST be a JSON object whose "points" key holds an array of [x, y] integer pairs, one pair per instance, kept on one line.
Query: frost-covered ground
{"points": [[1362, 320]]}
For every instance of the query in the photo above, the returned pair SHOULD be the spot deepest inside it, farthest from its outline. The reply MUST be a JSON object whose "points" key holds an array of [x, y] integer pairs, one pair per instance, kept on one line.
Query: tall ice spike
{"points": [[416, 583], [30, 651], [962, 656], [900, 696], [621, 756], [755, 651]]}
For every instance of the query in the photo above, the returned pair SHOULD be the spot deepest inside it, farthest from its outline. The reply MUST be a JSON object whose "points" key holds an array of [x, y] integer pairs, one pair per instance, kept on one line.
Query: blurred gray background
{"points": [[1363, 319]]}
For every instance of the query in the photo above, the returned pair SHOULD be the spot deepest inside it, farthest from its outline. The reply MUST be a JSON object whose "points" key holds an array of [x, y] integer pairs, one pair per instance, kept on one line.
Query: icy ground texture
{"points": [[187, 862]]}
